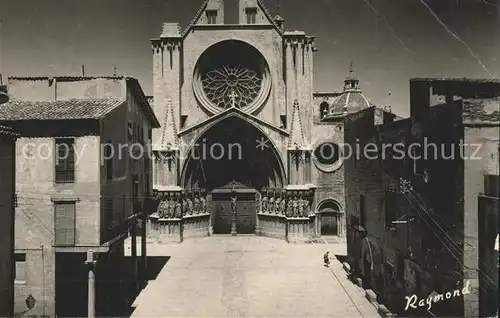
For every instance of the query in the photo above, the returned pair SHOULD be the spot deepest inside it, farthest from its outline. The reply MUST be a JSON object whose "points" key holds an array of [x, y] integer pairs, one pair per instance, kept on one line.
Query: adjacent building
{"points": [[82, 176], [423, 206], [7, 203], [241, 118]]}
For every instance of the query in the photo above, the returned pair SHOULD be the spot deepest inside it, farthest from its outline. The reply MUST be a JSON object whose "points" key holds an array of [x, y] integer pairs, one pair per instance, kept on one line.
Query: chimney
{"points": [[83, 70]]}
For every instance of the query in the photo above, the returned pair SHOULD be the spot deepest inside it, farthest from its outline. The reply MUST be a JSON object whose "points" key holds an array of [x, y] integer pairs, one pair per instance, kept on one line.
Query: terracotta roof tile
{"points": [[58, 109]]}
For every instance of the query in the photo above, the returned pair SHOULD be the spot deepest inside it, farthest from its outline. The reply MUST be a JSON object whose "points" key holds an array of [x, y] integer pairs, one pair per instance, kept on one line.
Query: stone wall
{"points": [[7, 206]]}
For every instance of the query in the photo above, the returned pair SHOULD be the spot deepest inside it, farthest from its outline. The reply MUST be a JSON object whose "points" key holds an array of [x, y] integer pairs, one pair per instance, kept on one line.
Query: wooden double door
{"points": [[246, 213]]}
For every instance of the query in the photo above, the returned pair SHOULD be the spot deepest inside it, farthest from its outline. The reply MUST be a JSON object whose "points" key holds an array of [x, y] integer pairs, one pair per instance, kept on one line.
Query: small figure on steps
{"points": [[326, 259]]}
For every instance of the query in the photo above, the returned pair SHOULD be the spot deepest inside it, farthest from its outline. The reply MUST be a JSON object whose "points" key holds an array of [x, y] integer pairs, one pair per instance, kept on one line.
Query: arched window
{"points": [[323, 109], [329, 205]]}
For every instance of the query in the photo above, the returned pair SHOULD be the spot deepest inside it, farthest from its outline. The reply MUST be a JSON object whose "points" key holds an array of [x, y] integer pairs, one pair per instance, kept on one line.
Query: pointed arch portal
{"points": [[233, 150], [233, 155]]}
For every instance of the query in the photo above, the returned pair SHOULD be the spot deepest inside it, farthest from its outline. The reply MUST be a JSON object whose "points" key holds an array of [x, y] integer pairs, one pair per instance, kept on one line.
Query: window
{"points": [[141, 134], [20, 268], [211, 16], [108, 160], [251, 14], [323, 109], [362, 212], [135, 188], [65, 164], [134, 134], [65, 223]]}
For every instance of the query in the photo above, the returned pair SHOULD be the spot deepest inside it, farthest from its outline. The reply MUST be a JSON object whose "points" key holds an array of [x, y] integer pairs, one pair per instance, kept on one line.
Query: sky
{"points": [[388, 41]]}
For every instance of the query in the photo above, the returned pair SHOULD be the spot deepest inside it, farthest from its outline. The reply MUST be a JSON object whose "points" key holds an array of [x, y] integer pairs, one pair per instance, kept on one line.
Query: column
{"points": [[91, 264], [133, 234]]}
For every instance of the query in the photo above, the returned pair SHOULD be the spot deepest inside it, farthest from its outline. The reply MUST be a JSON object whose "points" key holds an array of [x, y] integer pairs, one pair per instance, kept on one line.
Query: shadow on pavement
{"points": [[341, 258], [130, 289]]}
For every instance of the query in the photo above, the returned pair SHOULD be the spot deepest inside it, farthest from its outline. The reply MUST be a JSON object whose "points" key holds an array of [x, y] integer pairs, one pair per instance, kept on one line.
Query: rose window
{"points": [[232, 86], [231, 74]]}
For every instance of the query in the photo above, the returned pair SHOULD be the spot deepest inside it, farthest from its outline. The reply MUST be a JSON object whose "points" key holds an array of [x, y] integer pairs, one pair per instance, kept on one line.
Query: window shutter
{"points": [[65, 223], [65, 165]]}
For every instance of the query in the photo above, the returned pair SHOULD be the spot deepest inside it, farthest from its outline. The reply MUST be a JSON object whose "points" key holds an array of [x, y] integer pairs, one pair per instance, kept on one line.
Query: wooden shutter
{"points": [[65, 223]]}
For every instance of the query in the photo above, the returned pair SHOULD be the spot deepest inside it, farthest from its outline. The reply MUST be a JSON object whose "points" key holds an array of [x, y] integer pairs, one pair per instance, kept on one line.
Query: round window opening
{"points": [[231, 74], [328, 157]]}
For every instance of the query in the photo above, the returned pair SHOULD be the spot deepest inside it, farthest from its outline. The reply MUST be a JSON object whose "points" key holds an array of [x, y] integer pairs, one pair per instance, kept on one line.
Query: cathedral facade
{"points": [[246, 145]]}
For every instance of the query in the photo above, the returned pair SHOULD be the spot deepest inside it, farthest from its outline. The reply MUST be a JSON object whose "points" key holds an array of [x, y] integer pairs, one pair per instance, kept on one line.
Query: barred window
{"points": [[65, 164], [65, 223], [251, 15], [211, 16]]}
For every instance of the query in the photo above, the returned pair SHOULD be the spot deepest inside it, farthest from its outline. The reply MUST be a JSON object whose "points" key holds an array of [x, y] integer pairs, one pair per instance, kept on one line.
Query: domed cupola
{"points": [[351, 100]]}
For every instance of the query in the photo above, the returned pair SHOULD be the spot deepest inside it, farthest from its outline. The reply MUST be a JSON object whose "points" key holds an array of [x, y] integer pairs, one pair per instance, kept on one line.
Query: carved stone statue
{"points": [[300, 207], [306, 207], [277, 203], [270, 205], [289, 208], [233, 204], [265, 200], [189, 205], [283, 204], [168, 206], [178, 207], [203, 204], [162, 209], [197, 204], [295, 208], [184, 204]]}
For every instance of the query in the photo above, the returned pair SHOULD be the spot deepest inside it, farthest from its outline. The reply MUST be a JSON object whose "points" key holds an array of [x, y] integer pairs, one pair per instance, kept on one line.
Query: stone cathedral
{"points": [[246, 145]]}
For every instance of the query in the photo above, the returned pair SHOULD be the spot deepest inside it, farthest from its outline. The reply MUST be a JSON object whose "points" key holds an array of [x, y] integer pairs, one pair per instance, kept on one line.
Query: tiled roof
{"points": [[58, 109], [463, 79], [64, 78]]}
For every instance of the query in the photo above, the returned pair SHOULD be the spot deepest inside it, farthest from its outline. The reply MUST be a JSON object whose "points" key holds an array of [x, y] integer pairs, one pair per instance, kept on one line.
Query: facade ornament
{"points": [[162, 209], [184, 204], [300, 208], [271, 201], [203, 203], [265, 200], [283, 203], [289, 208], [197, 203], [277, 203], [295, 207], [189, 204], [178, 207]]}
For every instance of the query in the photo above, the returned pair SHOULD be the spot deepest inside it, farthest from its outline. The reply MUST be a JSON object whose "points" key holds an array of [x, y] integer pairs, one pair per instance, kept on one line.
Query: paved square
{"points": [[250, 276]]}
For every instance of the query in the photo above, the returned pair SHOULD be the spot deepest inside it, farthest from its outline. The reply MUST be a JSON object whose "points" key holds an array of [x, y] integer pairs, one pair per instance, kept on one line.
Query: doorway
{"points": [[246, 210]]}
